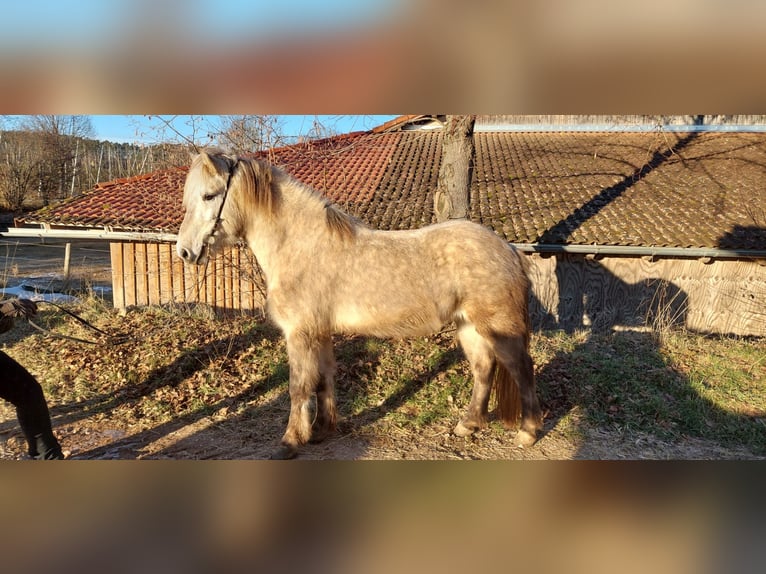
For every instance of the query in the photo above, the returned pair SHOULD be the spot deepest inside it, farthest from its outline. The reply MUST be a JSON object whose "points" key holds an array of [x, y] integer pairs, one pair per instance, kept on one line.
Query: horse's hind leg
{"points": [[480, 356], [303, 354], [326, 416], [513, 355]]}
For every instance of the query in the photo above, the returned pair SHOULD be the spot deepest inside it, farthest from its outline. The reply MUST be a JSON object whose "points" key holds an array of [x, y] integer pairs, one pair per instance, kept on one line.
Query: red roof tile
{"points": [[346, 168], [150, 202]]}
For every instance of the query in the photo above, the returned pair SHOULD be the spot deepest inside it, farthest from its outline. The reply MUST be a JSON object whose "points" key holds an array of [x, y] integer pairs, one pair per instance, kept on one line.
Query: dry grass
{"points": [[188, 386]]}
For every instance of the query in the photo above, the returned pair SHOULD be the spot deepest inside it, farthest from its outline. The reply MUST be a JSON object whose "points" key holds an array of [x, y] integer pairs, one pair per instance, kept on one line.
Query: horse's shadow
{"points": [[618, 377], [256, 430], [591, 297]]}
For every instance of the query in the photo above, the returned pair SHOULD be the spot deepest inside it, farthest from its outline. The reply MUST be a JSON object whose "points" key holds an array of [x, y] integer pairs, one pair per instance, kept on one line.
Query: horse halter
{"points": [[217, 223]]}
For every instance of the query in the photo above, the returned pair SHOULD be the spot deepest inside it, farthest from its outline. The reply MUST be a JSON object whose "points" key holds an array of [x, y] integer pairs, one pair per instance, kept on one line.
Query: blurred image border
{"points": [[422, 57]]}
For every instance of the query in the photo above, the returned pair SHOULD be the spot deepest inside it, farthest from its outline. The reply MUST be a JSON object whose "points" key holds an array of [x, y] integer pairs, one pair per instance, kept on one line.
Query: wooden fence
{"points": [[152, 274]]}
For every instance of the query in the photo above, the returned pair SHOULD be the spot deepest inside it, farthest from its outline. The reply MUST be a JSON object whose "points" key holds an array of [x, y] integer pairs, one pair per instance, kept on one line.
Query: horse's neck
{"points": [[299, 220]]}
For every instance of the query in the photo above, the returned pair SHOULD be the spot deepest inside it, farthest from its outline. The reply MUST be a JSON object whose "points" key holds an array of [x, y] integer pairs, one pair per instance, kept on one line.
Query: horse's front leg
{"points": [[326, 415], [303, 353]]}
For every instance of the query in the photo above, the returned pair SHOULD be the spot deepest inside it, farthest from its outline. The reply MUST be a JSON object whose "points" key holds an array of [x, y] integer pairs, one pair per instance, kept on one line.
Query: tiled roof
{"points": [[653, 189], [347, 168], [150, 202], [630, 189]]}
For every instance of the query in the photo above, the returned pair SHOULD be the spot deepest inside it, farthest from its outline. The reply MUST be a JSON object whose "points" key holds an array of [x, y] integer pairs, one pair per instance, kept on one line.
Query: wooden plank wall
{"points": [[569, 291], [151, 274], [723, 296]]}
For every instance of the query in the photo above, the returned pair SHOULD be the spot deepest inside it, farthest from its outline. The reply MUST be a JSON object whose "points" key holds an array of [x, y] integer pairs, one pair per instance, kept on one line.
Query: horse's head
{"points": [[205, 201]]}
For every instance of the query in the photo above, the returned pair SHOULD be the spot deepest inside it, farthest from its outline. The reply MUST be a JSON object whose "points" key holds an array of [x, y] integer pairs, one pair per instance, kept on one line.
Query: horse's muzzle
{"points": [[191, 257]]}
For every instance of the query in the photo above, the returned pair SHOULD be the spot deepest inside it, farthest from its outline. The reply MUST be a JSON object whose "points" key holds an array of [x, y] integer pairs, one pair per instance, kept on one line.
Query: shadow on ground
{"points": [[251, 423], [621, 382]]}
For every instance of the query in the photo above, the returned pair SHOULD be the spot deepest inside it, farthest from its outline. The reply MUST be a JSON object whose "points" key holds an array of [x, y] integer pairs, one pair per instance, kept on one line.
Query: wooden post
{"points": [[451, 196], [67, 256], [118, 276]]}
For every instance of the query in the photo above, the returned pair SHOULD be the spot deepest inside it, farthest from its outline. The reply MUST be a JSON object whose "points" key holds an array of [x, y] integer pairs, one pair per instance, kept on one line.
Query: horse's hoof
{"points": [[463, 430], [284, 452], [319, 435], [525, 438]]}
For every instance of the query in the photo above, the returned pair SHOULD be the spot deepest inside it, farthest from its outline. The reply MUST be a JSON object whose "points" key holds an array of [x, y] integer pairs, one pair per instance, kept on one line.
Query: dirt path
{"points": [[212, 438]]}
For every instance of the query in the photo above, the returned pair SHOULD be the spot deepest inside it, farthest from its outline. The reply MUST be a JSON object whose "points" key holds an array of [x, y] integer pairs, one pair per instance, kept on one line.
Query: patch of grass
{"points": [[173, 364], [411, 383], [183, 365], [727, 377], [690, 387], [570, 425]]}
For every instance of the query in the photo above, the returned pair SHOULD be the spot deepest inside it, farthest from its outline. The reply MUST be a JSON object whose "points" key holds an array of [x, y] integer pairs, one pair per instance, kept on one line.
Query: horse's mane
{"points": [[259, 183], [340, 222], [256, 180]]}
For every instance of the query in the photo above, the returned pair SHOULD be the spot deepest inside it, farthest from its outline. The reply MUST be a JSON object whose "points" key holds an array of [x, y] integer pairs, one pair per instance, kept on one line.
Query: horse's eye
{"points": [[209, 196]]}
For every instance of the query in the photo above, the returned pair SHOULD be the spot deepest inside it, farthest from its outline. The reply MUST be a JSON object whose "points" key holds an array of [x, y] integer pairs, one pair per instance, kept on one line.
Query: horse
{"points": [[327, 273]]}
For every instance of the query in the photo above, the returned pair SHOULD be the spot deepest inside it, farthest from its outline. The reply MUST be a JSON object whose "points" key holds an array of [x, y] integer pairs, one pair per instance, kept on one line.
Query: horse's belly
{"points": [[387, 322]]}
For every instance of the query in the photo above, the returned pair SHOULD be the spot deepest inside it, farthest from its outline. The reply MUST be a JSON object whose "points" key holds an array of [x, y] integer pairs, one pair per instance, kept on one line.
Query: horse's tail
{"points": [[507, 396], [506, 385]]}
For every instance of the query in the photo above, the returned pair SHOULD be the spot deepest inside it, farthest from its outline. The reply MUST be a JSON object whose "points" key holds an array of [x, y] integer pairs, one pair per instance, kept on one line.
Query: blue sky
{"points": [[146, 129]]}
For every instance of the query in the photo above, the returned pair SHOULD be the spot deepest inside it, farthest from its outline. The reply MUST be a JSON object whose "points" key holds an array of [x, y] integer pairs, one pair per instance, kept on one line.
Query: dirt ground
{"points": [[213, 437], [199, 441]]}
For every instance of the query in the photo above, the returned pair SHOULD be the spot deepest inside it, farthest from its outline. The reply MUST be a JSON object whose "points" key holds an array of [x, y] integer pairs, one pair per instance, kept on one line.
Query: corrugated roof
{"points": [[630, 189]]}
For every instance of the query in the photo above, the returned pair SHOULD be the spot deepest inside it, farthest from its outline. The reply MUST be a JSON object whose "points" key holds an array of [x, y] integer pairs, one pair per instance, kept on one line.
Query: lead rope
{"points": [[110, 338]]}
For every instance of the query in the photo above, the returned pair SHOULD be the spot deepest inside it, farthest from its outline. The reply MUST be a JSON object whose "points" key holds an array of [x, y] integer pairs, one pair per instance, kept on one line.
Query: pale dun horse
{"points": [[328, 273]]}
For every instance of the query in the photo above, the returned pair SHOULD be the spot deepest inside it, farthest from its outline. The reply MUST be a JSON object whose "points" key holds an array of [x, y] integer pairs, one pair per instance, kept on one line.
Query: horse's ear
{"points": [[207, 162], [214, 164]]}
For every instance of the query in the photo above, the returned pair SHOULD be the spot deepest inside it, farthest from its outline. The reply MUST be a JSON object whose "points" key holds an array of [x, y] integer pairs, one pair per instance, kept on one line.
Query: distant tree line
{"points": [[48, 158]]}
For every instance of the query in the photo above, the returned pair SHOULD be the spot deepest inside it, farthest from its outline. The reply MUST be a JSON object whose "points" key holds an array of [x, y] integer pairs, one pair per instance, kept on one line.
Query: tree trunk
{"points": [[452, 191]]}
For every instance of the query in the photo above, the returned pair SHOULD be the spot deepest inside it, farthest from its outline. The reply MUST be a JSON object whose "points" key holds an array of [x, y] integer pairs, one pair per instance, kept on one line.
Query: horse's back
{"points": [[474, 253], [413, 282]]}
